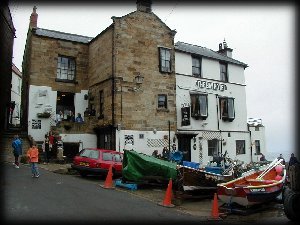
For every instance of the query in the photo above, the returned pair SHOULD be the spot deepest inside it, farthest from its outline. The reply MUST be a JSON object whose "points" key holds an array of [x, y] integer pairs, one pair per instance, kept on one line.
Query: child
{"points": [[33, 157]]}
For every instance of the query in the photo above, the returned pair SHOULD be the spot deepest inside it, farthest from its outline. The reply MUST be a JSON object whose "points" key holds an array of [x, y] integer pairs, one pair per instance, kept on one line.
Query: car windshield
{"points": [[94, 154]]}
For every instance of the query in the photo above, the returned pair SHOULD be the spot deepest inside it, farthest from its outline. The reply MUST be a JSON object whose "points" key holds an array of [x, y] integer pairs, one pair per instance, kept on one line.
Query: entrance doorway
{"points": [[65, 103], [184, 145], [70, 150]]}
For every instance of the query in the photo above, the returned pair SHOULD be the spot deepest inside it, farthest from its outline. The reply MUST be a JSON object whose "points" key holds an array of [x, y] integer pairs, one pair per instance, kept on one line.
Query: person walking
{"points": [[46, 149], [33, 157], [17, 150]]}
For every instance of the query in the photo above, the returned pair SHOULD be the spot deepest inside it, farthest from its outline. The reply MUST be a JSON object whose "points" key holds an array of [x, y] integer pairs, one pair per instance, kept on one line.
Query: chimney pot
{"points": [[33, 18]]}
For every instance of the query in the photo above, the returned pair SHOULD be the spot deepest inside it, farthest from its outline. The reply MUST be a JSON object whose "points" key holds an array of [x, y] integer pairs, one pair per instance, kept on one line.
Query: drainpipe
{"points": [[113, 82], [169, 135], [217, 111], [251, 160]]}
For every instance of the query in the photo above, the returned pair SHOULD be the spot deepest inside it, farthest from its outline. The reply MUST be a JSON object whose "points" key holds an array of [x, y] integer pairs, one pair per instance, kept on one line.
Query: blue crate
{"points": [[126, 185]]}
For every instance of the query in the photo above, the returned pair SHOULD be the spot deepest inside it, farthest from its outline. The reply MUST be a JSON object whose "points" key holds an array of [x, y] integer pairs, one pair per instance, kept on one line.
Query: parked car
{"points": [[97, 161]]}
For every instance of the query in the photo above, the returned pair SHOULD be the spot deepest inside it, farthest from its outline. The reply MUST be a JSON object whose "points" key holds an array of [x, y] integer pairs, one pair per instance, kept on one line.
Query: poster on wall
{"points": [[185, 115], [129, 140], [36, 124]]}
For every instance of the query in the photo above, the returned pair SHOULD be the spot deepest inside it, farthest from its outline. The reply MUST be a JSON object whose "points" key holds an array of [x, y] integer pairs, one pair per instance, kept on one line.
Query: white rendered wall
{"points": [[87, 140], [37, 104], [151, 141], [16, 84]]}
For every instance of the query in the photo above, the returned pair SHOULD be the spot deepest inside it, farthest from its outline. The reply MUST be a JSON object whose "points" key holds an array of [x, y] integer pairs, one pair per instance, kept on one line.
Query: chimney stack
{"points": [[144, 6], [33, 18], [225, 50]]}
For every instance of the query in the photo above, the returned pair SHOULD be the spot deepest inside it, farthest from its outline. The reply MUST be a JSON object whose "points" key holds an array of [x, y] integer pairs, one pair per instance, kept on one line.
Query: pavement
{"points": [[197, 207]]}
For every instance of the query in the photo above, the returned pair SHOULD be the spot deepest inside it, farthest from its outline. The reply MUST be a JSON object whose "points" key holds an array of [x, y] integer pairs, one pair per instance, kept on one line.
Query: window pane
{"points": [[240, 147], [65, 68], [165, 60], [230, 108], [107, 156], [213, 147], [162, 101], [203, 105]]}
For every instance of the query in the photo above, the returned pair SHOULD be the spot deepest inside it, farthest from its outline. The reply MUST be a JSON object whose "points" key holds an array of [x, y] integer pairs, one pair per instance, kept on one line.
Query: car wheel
{"points": [[291, 206], [83, 174]]}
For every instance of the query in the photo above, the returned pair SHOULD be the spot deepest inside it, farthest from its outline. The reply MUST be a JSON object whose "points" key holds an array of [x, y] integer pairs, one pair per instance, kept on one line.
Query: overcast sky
{"points": [[262, 36]]}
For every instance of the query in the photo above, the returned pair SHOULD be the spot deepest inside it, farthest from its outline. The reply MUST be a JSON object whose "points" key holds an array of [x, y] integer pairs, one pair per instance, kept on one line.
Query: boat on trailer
{"points": [[254, 188]]}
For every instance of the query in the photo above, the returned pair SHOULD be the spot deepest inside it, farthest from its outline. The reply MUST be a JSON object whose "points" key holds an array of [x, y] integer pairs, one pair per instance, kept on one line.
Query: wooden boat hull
{"points": [[249, 190], [249, 196], [191, 179]]}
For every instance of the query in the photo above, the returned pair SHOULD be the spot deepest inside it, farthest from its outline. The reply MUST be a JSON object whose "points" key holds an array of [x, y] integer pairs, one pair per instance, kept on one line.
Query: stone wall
{"points": [[138, 36], [45, 51]]}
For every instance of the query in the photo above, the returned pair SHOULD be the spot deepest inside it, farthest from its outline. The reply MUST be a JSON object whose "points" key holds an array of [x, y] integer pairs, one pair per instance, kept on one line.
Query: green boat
{"points": [[142, 168]]}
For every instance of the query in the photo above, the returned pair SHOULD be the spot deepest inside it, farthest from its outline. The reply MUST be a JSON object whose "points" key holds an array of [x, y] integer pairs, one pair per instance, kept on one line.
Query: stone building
{"points": [[16, 89], [122, 81], [7, 35]]}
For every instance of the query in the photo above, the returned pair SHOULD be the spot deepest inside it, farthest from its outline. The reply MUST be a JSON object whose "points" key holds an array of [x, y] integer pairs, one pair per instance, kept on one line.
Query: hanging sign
{"points": [[185, 115]]}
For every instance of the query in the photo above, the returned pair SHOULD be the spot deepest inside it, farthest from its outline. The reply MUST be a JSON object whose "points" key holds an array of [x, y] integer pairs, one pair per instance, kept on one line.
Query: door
{"points": [[184, 145]]}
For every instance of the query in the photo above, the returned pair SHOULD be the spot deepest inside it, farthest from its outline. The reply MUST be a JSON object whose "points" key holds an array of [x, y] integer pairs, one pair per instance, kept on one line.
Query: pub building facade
{"points": [[211, 106], [128, 88]]}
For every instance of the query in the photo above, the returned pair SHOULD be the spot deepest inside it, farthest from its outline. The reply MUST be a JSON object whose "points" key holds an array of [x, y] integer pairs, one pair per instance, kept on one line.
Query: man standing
{"points": [[17, 149]]}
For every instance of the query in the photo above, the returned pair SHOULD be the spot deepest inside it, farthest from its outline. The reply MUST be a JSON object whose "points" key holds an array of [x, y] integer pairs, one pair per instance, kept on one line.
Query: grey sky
{"points": [[261, 36]]}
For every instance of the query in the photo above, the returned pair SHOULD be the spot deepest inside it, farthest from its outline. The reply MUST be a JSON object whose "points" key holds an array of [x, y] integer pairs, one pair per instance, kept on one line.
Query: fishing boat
{"points": [[254, 188], [200, 180]]}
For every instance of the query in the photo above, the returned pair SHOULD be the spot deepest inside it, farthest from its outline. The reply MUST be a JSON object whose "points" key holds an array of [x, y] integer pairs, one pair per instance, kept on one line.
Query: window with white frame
{"points": [[165, 60], [199, 106], [227, 112], [65, 68], [196, 66], [213, 147], [223, 72], [240, 147]]}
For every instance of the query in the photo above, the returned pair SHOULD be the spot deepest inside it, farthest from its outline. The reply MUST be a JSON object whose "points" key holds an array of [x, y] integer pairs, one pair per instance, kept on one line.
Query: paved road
{"points": [[57, 197]]}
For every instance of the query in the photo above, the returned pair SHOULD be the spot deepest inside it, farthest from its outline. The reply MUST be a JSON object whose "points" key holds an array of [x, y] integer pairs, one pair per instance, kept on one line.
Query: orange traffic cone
{"points": [[168, 196], [108, 184], [215, 209]]}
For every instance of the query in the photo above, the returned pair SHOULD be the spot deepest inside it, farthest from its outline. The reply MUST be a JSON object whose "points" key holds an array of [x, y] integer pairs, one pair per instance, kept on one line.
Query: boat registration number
{"points": [[84, 164], [257, 190]]}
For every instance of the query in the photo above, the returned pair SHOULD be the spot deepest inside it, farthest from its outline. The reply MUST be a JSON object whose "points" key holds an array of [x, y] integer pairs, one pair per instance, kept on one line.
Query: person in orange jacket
{"points": [[33, 157]]}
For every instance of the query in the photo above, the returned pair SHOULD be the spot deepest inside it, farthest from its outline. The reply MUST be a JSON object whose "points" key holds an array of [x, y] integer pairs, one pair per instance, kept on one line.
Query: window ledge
{"points": [[66, 81], [162, 110]]}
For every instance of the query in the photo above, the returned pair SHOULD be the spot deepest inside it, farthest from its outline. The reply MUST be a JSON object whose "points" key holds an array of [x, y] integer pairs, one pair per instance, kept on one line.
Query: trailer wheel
{"points": [[291, 206]]}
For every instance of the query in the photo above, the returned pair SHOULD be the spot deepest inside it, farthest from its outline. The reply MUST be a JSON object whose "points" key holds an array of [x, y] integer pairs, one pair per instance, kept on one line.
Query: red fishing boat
{"points": [[256, 187]]}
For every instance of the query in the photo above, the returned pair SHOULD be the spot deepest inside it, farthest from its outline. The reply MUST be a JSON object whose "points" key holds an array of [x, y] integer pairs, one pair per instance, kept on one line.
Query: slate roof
{"points": [[198, 50], [62, 36]]}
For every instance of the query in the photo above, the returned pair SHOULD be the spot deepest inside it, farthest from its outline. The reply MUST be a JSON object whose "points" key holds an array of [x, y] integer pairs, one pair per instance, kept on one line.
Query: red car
{"points": [[97, 161]]}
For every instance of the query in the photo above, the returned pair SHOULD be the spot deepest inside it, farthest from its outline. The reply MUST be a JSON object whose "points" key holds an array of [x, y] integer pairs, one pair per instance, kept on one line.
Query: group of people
{"points": [[293, 159], [68, 116], [165, 154], [32, 155]]}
